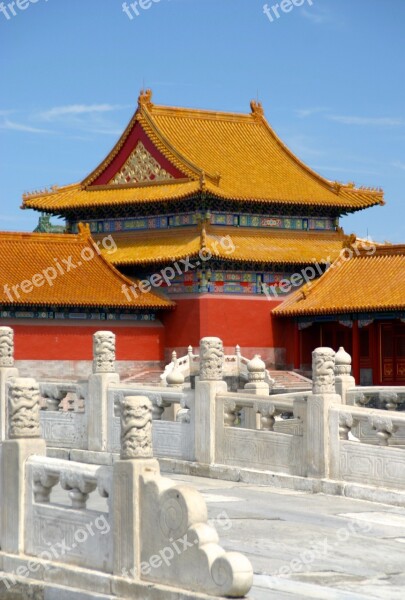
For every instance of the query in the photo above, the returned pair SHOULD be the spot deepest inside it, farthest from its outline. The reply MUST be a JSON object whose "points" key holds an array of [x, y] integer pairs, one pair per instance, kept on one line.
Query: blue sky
{"points": [[331, 78]]}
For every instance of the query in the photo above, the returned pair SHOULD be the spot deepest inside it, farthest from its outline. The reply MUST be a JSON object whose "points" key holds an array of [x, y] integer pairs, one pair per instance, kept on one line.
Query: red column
{"points": [[297, 347], [376, 354], [356, 351]]}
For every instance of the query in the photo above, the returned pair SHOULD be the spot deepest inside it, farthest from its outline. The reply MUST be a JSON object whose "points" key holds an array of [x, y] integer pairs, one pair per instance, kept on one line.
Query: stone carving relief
{"points": [[211, 359], [177, 513], [23, 402], [384, 428], [136, 427], [6, 347], [104, 352], [323, 371]]}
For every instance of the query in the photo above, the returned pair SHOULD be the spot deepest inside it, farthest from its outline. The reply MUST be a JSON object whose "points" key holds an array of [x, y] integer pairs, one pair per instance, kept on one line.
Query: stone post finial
{"points": [[323, 371], [136, 428], [257, 375], [175, 378], [211, 359], [104, 352], [343, 362], [256, 369], [23, 406], [6, 347]]}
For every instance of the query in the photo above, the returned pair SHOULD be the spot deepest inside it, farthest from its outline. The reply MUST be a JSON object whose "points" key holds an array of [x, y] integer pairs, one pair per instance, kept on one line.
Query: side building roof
{"points": [[38, 269], [171, 154], [370, 282]]}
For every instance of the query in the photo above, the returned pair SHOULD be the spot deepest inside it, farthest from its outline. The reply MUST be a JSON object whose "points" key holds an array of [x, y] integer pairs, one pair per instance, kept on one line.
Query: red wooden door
{"points": [[392, 354]]}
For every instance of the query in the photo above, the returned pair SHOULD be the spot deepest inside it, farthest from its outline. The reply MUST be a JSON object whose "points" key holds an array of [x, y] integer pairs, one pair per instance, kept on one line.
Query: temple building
{"points": [[213, 211], [359, 303], [56, 290]]}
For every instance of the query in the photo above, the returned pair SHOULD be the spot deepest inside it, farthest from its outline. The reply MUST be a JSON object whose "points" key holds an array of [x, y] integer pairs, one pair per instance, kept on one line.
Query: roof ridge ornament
{"points": [[203, 182], [350, 241], [84, 231], [257, 110], [145, 98]]}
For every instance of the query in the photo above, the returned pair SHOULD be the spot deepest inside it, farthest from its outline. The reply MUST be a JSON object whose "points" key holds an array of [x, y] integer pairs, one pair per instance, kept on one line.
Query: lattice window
{"points": [[139, 167]]}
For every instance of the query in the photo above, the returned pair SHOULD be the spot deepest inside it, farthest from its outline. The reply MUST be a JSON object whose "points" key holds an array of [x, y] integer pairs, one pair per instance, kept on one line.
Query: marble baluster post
{"points": [[24, 441], [317, 437], [103, 375], [209, 384], [7, 370]]}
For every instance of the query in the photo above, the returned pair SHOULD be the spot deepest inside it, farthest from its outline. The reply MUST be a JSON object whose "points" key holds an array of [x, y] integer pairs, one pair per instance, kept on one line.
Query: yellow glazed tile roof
{"points": [[262, 245], [361, 284], [141, 247], [76, 279], [228, 155], [76, 196]]}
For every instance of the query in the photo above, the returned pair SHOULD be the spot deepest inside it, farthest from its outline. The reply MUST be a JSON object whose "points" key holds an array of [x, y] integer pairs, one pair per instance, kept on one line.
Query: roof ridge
{"points": [[55, 189], [186, 111], [39, 236], [176, 154], [325, 182]]}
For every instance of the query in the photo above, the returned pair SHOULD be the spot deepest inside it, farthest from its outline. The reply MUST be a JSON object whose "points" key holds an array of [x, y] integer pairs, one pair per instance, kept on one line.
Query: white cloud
{"points": [[303, 145], [399, 165], [76, 110], [308, 112], [373, 121], [13, 126], [348, 170], [319, 16]]}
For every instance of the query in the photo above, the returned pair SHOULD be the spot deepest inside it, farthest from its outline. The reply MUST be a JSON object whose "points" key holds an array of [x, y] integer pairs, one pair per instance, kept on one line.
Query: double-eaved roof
{"points": [[169, 154], [374, 281], [282, 247], [65, 270]]}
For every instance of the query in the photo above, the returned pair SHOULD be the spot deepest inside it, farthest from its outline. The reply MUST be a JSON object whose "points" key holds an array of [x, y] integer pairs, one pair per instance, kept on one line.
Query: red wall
{"points": [[245, 321], [283, 332], [41, 341]]}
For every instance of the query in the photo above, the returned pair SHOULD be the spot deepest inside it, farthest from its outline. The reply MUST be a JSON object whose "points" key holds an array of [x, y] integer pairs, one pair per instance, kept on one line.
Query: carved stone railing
{"points": [[380, 397], [43, 540], [173, 435], [63, 414], [55, 393], [234, 366], [262, 407], [251, 433], [378, 457], [49, 523]]}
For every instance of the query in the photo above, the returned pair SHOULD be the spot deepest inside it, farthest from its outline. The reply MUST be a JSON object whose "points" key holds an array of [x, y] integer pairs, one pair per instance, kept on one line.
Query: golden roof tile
{"points": [[230, 156], [246, 245], [365, 283], [78, 275]]}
